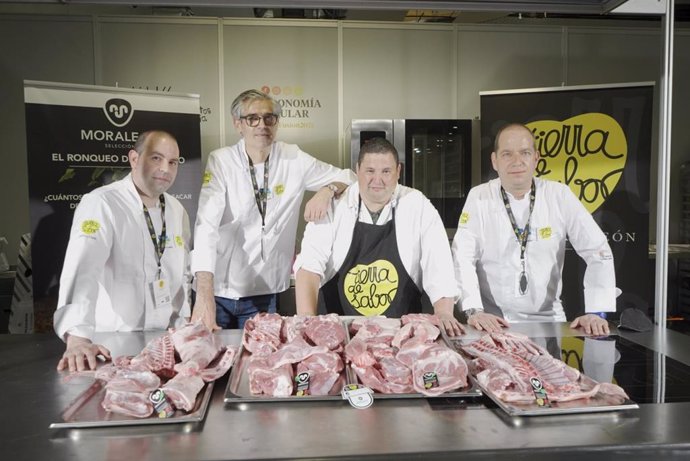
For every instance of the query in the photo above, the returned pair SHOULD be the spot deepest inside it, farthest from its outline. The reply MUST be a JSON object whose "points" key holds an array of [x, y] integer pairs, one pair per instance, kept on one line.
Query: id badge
{"points": [[521, 285], [161, 292]]}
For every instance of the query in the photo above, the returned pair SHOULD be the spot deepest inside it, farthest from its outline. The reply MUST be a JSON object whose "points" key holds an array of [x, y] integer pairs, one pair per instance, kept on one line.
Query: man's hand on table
{"points": [[592, 324], [81, 354], [450, 324], [487, 322]]}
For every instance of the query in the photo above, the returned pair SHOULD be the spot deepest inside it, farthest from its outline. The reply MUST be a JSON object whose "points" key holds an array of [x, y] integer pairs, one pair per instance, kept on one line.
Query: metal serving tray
{"points": [[594, 404], [237, 390], [86, 411]]}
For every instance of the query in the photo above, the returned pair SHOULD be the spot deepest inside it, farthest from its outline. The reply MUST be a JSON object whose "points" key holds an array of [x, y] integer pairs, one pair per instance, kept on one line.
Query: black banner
{"points": [[78, 138], [597, 140]]}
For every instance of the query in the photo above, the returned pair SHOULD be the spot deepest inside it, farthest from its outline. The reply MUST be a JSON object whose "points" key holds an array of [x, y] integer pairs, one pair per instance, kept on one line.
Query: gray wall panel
{"points": [[53, 49], [397, 73], [178, 57]]}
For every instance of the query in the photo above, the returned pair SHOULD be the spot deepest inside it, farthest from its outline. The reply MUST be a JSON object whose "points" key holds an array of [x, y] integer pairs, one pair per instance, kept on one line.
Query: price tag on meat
{"points": [[161, 404], [359, 396], [302, 384], [539, 393]]}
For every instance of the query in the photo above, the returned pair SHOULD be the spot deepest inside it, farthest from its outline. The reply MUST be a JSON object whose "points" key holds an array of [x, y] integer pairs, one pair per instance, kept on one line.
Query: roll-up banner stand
{"points": [[597, 140], [78, 137]]}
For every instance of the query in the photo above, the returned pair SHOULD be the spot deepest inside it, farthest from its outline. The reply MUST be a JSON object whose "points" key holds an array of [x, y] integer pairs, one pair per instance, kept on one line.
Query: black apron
{"points": [[372, 280]]}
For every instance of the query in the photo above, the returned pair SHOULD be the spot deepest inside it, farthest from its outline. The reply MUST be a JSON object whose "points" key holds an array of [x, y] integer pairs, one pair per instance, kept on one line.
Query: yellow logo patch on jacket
{"points": [[279, 189], [464, 218], [90, 226], [206, 179], [179, 241], [545, 233]]}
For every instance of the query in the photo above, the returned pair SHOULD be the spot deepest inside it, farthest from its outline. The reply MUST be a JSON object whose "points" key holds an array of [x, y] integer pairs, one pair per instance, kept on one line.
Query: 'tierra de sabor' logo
{"points": [[586, 152], [118, 111]]}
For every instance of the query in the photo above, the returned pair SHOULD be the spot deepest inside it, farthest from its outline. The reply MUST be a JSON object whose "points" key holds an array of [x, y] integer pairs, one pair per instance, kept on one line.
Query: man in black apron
{"points": [[382, 242]]}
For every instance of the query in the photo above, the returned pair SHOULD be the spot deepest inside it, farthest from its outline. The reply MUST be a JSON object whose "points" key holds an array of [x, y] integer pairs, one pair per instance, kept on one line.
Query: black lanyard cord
{"points": [[521, 236], [261, 196], [158, 243]]}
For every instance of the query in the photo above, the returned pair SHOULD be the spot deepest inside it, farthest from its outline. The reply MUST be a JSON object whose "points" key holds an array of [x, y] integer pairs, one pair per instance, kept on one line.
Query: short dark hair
{"points": [[513, 125], [143, 137], [377, 146]]}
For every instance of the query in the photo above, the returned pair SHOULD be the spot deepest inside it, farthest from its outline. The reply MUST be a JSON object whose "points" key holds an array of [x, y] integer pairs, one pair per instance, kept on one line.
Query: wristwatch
{"points": [[471, 311], [333, 189]]}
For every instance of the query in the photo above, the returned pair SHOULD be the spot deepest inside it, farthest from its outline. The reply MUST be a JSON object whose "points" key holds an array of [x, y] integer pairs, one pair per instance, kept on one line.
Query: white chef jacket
{"points": [[421, 238], [110, 263], [228, 236], [486, 254]]}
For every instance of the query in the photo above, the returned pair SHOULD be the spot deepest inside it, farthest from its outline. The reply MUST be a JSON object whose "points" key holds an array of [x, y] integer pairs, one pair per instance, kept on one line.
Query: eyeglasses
{"points": [[254, 119]]}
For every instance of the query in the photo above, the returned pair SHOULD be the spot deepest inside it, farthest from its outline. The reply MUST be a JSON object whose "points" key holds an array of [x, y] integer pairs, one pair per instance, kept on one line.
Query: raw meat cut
{"points": [[133, 404], [324, 371], [130, 380], [392, 359], [261, 335], [195, 343], [437, 370], [182, 391], [133, 381], [158, 356], [326, 330], [505, 363], [264, 379]]}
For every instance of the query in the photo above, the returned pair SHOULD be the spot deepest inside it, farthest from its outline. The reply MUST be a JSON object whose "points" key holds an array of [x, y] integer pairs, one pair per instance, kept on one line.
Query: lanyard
{"points": [[158, 244], [521, 236], [261, 196]]}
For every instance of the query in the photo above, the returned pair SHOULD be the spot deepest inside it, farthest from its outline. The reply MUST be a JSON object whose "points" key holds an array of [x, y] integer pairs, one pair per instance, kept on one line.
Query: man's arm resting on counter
{"points": [[307, 292], [205, 304]]}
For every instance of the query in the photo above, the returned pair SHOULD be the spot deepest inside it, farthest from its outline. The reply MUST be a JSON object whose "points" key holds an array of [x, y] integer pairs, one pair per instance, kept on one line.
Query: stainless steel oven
{"points": [[436, 157]]}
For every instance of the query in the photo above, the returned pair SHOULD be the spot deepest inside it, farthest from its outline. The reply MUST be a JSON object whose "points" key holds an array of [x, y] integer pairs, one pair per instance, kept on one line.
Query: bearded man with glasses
{"points": [[244, 238]]}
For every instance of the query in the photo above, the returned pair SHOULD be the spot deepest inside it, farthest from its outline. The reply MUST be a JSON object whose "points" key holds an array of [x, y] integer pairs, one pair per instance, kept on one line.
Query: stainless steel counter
{"points": [[33, 396]]}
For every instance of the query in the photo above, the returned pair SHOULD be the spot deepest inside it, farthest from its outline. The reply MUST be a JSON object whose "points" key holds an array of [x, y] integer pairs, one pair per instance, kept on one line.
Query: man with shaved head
{"points": [[509, 248], [126, 265]]}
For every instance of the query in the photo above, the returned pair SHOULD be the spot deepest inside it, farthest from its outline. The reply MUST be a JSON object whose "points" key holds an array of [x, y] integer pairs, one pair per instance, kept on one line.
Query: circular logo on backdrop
{"points": [[370, 288]]}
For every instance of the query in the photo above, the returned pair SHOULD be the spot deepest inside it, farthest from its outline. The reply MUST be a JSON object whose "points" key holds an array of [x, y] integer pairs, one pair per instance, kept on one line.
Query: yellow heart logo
{"points": [[586, 152], [370, 288]]}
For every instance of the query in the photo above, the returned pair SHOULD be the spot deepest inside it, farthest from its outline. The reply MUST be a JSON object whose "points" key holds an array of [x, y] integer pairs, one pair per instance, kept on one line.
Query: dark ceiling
{"points": [[458, 11]]}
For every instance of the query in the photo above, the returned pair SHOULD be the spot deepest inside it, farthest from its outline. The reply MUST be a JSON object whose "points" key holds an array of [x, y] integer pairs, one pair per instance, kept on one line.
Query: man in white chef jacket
{"points": [[244, 237], [510, 245], [126, 265], [379, 249]]}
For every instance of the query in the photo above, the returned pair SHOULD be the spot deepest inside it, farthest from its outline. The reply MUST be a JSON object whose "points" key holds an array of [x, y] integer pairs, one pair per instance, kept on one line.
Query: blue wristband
{"points": [[600, 314]]}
